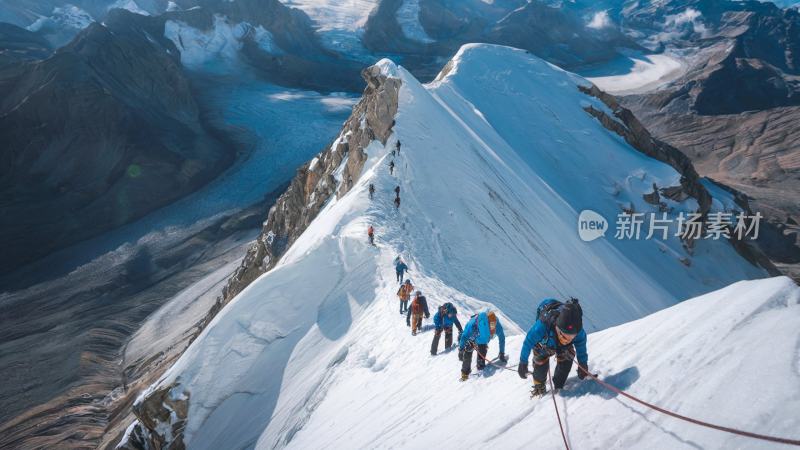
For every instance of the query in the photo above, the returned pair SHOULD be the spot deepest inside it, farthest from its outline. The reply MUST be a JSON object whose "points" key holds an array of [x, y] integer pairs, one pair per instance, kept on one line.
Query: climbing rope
{"points": [[613, 388], [552, 389], [487, 360], [689, 419], [555, 405]]}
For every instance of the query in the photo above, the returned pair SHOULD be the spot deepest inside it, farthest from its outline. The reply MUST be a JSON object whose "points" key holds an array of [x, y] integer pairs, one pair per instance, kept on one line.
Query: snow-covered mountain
{"points": [[499, 155]]}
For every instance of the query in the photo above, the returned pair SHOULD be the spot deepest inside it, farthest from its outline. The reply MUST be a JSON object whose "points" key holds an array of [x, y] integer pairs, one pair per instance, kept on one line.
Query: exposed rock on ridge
{"points": [[162, 412]]}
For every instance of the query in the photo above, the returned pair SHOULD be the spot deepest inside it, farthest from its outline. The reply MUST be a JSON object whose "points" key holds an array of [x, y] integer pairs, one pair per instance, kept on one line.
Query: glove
{"points": [[427, 316], [522, 370], [460, 354], [582, 373], [502, 357]]}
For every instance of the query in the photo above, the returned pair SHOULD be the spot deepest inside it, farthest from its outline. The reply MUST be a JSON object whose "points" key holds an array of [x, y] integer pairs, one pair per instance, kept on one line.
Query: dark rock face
{"points": [[552, 33], [745, 84], [557, 36], [18, 45], [98, 134], [313, 186]]}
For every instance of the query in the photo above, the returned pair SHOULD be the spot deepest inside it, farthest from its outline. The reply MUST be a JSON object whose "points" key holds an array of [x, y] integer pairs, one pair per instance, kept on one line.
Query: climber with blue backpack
{"points": [[558, 331], [478, 331], [400, 268], [444, 319]]}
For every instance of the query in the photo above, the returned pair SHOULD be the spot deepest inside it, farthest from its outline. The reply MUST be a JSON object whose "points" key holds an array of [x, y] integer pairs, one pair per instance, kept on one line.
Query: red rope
{"points": [[555, 405], [488, 361], [749, 434], [552, 390], [689, 419]]}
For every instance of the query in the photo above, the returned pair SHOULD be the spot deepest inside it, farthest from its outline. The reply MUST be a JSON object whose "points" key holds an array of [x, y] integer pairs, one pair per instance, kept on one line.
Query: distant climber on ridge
{"points": [[400, 268], [558, 330], [446, 315], [371, 235], [397, 202], [418, 307], [371, 190], [398, 147], [391, 168], [480, 329], [404, 293]]}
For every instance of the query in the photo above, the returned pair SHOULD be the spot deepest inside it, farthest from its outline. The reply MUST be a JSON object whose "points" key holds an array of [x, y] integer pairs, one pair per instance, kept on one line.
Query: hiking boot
{"points": [[538, 390], [464, 376]]}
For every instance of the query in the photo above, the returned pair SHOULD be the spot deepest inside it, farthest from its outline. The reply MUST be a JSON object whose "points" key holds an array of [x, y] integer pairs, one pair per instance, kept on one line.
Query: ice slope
{"points": [[498, 158]]}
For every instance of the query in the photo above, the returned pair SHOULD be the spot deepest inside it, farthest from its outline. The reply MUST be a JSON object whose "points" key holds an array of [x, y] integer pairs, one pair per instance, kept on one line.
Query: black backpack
{"points": [[548, 314]]}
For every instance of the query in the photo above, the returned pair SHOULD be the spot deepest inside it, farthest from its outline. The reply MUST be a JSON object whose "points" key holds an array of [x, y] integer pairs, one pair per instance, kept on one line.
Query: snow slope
{"points": [[730, 357], [498, 159]]}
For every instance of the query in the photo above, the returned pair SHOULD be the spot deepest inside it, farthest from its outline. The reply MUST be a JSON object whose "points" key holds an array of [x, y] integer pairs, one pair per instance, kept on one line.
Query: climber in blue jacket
{"points": [[480, 329], [446, 316], [558, 330], [400, 269]]}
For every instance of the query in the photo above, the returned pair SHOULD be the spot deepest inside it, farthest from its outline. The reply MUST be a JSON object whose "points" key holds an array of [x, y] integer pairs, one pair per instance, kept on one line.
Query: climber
{"points": [[398, 147], [397, 191], [478, 331], [400, 269], [397, 202], [443, 321], [419, 306], [391, 168], [371, 190], [404, 293], [371, 235], [558, 330]]}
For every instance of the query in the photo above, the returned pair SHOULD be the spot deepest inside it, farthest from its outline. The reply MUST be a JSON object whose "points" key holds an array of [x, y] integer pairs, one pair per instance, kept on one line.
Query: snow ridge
{"points": [[497, 159]]}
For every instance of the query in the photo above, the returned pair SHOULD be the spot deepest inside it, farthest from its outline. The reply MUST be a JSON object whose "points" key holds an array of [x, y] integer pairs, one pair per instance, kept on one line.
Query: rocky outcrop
{"points": [[316, 181], [331, 173], [625, 124]]}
